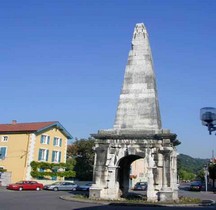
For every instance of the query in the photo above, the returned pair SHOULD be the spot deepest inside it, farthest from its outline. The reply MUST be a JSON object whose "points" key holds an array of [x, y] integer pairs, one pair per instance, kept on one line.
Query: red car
{"points": [[25, 185]]}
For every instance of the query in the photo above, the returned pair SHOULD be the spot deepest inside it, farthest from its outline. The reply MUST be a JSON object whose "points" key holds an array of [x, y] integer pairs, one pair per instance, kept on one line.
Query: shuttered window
{"points": [[43, 154], [45, 139], [56, 156], [57, 142], [3, 151]]}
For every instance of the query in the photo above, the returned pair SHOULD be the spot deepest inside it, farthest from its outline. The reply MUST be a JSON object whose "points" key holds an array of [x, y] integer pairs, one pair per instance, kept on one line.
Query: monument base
{"points": [[104, 193], [94, 193], [168, 196]]}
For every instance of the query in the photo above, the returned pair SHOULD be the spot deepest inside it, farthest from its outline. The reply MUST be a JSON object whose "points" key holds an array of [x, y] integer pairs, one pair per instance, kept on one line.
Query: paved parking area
{"points": [[49, 200]]}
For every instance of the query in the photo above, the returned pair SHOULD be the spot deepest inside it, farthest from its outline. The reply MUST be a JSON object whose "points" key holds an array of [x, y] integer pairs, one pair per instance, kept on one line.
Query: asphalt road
{"points": [[49, 200], [37, 200], [203, 195]]}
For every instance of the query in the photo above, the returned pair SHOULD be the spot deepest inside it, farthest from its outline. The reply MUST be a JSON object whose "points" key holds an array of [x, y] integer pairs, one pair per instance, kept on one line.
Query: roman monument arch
{"points": [[136, 134]]}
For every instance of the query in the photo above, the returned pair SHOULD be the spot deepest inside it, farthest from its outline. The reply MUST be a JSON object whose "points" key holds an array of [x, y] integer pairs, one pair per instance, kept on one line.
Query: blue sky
{"points": [[65, 60]]}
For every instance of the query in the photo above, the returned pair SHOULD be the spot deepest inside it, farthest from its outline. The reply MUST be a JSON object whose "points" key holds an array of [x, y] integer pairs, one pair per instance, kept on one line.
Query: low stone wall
{"points": [[5, 178]]}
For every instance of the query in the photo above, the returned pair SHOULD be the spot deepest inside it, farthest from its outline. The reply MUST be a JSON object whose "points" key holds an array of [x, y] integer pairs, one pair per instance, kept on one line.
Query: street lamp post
{"points": [[206, 173], [208, 118]]}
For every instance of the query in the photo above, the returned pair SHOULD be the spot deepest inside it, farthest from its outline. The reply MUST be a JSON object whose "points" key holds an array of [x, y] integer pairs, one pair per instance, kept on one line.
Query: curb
{"points": [[113, 203], [71, 198], [208, 203]]}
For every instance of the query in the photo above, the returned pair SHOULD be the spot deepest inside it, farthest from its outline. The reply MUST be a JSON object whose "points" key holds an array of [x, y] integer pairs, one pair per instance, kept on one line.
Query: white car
{"points": [[61, 186]]}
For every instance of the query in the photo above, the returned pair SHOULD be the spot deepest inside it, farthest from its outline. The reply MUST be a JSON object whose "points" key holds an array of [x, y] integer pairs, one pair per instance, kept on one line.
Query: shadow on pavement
{"points": [[132, 206], [121, 207]]}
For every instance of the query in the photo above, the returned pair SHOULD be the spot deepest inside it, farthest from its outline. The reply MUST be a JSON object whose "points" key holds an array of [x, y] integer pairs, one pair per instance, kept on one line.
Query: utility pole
{"points": [[206, 173]]}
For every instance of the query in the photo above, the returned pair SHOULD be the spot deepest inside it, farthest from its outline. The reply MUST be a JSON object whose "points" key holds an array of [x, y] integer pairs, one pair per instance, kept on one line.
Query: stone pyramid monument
{"points": [[136, 134], [138, 104]]}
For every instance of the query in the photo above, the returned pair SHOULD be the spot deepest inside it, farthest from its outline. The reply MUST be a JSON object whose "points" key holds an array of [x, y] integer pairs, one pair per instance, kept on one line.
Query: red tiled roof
{"points": [[27, 127]]}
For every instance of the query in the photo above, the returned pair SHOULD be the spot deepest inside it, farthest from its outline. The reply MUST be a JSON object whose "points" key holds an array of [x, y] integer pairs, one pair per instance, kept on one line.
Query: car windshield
{"points": [[196, 183], [55, 183], [141, 183], [20, 182]]}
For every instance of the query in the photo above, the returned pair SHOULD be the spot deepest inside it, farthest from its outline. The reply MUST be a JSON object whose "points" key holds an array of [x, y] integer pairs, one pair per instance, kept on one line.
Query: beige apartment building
{"points": [[22, 143]]}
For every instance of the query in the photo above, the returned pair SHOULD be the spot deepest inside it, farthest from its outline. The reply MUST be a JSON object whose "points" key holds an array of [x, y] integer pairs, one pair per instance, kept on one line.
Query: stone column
{"points": [[166, 193], [166, 170], [159, 171], [151, 193], [100, 171], [173, 178]]}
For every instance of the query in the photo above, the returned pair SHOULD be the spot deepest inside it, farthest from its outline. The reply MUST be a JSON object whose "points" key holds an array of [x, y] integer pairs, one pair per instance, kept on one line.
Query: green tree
{"points": [[190, 168], [70, 163], [81, 150], [201, 175], [185, 175], [193, 165], [72, 149], [212, 172]]}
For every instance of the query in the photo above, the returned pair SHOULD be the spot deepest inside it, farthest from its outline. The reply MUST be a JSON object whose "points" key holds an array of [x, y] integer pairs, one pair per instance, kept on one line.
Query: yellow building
{"points": [[138, 172], [22, 143]]}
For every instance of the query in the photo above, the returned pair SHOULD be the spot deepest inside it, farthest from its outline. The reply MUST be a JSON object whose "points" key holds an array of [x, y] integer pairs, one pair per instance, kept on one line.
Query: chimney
{"points": [[14, 122]]}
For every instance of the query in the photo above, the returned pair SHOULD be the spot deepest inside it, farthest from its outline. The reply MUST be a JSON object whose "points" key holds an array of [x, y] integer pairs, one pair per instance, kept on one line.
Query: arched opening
{"points": [[123, 173]]}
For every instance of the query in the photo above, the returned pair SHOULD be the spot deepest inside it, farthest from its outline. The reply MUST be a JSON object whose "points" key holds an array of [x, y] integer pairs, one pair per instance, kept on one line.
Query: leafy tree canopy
{"points": [[81, 151], [190, 168]]}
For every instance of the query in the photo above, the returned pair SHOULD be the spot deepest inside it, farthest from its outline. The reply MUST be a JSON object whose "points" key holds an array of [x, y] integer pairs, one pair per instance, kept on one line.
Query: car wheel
{"points": [[38, 188], [20, 188], [55, 188], [73, 189]]}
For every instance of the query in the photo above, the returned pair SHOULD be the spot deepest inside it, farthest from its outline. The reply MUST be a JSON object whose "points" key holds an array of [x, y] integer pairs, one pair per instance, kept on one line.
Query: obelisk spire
{"points": [[138, 104]]}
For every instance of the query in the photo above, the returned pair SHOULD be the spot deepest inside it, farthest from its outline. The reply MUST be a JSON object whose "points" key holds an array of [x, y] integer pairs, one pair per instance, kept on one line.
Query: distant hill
{"points": [[191, 164]]}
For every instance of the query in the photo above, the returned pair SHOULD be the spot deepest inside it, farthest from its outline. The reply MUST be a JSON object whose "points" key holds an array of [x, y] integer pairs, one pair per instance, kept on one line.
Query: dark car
{"points": [[140, 186], [196, 186], [61, 186], [25, 185], [84, 187]]}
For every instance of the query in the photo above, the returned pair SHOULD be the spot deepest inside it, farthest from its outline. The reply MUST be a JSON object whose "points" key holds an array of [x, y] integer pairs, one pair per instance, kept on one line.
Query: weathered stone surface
{"points": [[138, 104], [136, 134]]}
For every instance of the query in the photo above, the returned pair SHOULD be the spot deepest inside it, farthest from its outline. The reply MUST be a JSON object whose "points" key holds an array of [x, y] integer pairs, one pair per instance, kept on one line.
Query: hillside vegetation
{"points": [[190, 168], [190, 164]]}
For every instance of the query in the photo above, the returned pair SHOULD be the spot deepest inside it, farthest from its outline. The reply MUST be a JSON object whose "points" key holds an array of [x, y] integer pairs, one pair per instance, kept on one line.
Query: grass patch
{"points": [[188, 200], [142, 200], [81, 196]]}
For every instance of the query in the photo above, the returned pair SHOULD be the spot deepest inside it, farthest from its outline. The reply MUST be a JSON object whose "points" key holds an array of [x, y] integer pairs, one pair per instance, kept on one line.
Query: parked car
{"points": [[84, 187], [25, 185], [196, 186], [60, 186], [140, 186]]}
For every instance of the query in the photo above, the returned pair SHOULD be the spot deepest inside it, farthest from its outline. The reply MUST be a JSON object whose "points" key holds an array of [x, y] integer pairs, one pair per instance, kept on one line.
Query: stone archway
{"points": [[123, 172], [114, 153]]}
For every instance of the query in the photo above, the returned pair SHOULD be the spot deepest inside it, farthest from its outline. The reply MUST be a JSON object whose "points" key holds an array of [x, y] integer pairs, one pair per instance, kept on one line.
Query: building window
{"points": [[57, 141], [43, 154], [3, 151], [4, 138], [45, 139], [56, 156], [1, 170]]}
